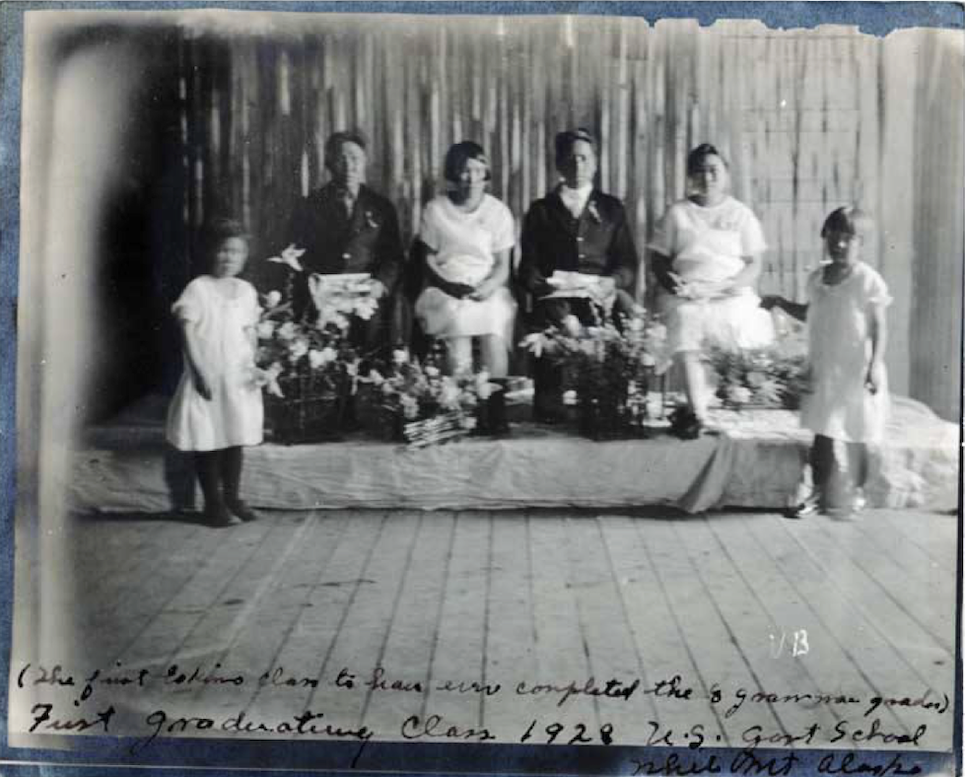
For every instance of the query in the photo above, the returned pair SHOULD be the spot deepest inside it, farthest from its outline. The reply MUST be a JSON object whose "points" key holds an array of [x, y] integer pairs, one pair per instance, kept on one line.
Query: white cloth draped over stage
{"points": [[756, 462]]}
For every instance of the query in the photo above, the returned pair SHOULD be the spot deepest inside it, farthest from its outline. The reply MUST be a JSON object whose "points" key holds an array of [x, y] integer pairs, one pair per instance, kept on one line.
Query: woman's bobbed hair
{"points": [[699, 154], [460, 153], [849, 220]]}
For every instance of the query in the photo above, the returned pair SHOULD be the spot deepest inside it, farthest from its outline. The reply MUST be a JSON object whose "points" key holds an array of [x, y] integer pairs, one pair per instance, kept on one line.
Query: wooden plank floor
{"points": [[456, 609]]}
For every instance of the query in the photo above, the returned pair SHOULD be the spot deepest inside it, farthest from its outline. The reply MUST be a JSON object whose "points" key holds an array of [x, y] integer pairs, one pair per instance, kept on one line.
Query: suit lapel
{"points": [[362, 207], [561, 214]]}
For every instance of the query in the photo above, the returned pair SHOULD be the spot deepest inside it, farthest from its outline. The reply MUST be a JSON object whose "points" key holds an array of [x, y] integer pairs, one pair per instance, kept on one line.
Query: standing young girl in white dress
{"points": [[217, 408], [847, 405]]}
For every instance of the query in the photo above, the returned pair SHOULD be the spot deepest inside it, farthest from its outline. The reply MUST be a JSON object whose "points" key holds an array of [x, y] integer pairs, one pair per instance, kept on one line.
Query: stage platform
{"points": [[755, 461]]}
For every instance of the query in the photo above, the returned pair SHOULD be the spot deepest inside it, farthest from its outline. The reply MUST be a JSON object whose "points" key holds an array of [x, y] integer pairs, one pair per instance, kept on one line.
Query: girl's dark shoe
{"points": [[242, 511], [217, 516], [810, 506]]}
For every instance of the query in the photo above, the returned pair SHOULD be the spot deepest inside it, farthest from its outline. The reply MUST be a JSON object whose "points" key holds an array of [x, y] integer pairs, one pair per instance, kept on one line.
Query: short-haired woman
{"points": [[466, 236]]}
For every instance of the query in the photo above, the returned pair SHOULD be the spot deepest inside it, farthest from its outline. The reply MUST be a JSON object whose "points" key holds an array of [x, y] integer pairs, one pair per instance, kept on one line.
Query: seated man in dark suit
{"points": [[345, 227], [575, 228]]}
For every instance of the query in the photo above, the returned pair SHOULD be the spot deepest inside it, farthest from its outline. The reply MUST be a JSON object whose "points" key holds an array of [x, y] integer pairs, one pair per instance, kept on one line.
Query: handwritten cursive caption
{"points": [[63, 701]]}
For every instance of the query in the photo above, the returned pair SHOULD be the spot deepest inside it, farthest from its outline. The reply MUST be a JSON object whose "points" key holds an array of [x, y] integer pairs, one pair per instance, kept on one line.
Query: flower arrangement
{"points": [[607, 369], [774, 377], [308, 369], [413, 401]]}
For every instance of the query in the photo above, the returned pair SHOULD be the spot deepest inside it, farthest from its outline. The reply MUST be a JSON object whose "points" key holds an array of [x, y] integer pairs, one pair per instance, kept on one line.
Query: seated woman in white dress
{"points": [[466, 236], [706, 255]]}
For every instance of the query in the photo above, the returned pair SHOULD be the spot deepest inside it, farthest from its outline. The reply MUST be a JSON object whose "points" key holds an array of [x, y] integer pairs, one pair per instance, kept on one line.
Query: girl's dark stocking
{"points": [[858, 463], [837, 470], [208, 465], [232, 460], [822, 465]]}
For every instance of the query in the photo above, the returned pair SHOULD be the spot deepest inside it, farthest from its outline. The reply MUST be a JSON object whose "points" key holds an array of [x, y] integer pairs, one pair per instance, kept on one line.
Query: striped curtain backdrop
{"points": [[809, 120]]}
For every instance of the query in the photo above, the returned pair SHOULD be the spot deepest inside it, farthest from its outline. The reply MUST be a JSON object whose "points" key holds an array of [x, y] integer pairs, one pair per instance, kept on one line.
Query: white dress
{"points": [[838, 405], [234, 415], [707, 244], [465, 246]]}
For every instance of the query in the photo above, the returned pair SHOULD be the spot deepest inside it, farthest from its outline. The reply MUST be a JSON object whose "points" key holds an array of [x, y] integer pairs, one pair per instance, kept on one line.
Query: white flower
{"points": [[269, 379], [410, 406], [432, 371], [569, 397], [483, 387], [449, 397], [328, 354], [272, 298], [365, 308], [400, 356], [739, 395], [289, 257], [534, 343], [266, 329], [326, 313], [755, 378], [315, 358], [287, 331], [572, 326], [657, 330], [298, 349]]}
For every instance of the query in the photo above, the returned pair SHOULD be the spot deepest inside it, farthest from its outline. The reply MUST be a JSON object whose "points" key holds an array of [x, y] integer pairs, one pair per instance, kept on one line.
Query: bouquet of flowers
{"points": [[338, 297], [308, 370], [774, 377], [607, 369], [413, 401]]}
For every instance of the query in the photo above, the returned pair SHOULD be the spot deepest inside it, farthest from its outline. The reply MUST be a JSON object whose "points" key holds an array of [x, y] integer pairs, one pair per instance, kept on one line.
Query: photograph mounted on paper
{"points": [[523, 379]]}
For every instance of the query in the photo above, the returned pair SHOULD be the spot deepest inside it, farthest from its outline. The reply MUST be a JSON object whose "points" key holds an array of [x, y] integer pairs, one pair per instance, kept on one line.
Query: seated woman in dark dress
{"points": [[575, 228]]}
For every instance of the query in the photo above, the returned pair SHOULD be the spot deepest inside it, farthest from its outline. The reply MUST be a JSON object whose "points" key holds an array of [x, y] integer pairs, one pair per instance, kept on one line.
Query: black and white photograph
{"points": [[442, 390]]}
